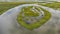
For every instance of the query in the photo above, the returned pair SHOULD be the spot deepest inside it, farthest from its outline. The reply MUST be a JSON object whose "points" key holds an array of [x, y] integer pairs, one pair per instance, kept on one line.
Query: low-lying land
{"points": [[4, 6], [54, 5]]}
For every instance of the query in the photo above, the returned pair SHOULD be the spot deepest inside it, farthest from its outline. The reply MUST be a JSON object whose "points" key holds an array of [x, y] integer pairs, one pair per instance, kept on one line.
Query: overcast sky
{"points": [[29, 0]]}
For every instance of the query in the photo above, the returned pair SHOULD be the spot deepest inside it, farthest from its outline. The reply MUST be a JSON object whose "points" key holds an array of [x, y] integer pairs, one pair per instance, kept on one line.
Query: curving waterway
{"points": [[9, 25]]}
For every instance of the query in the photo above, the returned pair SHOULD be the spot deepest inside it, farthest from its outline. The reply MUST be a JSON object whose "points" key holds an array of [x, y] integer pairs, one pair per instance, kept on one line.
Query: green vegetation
{"points": [[37, 24], [4, 6], [54, 5], [28, 11]]}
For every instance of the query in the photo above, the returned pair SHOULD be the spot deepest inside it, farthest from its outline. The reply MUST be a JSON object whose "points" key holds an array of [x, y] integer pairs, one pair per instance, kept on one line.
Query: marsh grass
{"points": [[37, 24], [4, 6], [54, 5]]}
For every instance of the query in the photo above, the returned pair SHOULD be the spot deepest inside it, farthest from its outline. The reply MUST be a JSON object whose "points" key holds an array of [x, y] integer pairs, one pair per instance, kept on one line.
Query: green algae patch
{"points": [[31, 25]]}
